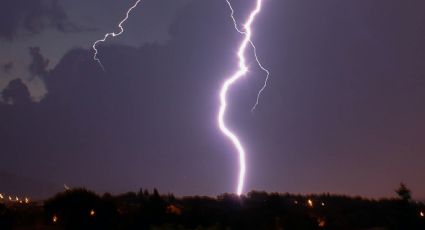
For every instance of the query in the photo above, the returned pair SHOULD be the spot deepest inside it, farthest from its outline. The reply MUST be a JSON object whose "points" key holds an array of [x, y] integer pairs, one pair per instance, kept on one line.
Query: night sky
{"points": [[343, 113]]}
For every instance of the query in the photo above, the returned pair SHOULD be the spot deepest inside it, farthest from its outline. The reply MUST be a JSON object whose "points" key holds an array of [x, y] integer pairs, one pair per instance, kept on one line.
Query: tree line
{"points": [[83, 209]]}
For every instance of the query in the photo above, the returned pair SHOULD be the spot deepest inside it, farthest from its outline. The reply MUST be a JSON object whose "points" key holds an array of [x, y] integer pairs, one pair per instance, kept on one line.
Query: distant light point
{"points": [[55, 218], [310, 203]]}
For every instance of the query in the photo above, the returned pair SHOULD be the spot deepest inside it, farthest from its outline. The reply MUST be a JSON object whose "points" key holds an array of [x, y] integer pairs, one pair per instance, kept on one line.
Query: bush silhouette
{"points": [[80, 208]]}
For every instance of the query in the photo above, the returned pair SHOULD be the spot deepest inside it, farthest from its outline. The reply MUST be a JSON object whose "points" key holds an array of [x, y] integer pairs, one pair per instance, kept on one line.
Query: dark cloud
{"points": [[16, 93], [93, 123], [38, 66], [21, 17]]}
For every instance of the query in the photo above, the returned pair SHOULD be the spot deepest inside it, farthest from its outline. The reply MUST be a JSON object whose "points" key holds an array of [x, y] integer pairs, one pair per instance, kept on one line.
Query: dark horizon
{"points": [[83, 209]]}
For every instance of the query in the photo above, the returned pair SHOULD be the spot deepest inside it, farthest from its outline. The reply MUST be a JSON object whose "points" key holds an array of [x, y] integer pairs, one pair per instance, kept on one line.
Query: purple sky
{"points": [[344, 111]]}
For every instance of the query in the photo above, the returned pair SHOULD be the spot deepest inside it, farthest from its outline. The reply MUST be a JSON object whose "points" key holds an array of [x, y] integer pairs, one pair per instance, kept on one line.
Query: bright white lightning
{"points": [[113, 34], [243, 69], [255, 55]]}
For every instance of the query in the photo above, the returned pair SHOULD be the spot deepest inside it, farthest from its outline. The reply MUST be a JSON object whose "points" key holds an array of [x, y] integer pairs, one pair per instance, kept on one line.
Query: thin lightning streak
{"points": [[232, 16], [243, 69], [113, 34]]}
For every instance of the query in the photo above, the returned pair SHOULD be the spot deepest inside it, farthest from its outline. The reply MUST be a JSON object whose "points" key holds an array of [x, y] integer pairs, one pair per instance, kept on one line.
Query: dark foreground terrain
{"points": [[82, 209]]}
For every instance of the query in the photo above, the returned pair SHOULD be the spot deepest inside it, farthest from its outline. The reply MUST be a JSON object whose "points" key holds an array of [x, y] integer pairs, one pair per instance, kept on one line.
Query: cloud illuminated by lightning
{"points": [[113, 34], [255, 55], [243, 69]]}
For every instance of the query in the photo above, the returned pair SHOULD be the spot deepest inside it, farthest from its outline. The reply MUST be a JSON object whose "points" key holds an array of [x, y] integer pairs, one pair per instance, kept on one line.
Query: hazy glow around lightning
{"points": [[113, 34], [255, 55], [243, 69]]}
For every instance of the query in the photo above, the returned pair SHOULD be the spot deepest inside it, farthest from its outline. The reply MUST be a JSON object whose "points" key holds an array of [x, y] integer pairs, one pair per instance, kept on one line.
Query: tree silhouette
{"points": [[82, 209], [403, 192]]}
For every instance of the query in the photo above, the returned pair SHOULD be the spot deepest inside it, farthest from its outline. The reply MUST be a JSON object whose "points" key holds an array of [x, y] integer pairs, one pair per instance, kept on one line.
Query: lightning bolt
{"points": [[232, 16], [243, 69], [113, 34]]}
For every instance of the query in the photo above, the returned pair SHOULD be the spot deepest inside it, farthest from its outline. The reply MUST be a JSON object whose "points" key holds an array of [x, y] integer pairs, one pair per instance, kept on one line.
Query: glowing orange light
{"points": [[27, 200], [172, 209], [55, 219], [1, 196], [321, 222], [92, 212], [421, 214], [310, 203]]}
